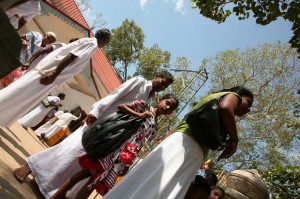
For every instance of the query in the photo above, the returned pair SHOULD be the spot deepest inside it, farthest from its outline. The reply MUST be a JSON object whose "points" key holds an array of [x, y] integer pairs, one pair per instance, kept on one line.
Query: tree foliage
{"points": [[264, 12], [269, 134], [125, 45], [283, 182], [151, 60], [185, 85]]}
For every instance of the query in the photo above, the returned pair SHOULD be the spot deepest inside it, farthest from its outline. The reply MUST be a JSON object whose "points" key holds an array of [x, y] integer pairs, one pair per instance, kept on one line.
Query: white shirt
{"points": [[134, 89], [58, 113], [27, 10], [64, 119], [54, 99]]}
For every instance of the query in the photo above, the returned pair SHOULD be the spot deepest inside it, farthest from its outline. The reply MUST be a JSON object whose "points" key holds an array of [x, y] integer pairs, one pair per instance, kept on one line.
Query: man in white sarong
{"points": [[35, 116], [53, 166], [55, 69], [19, 15], [61, 121], [48, 124]]}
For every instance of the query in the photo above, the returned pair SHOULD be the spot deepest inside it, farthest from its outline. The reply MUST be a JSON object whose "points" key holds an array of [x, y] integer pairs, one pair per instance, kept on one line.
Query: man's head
{"points": [[61, 96], [216, 193], [103, 37], [49, 38], [199, 189], [212, 179], [73, 39], [162, 80]]}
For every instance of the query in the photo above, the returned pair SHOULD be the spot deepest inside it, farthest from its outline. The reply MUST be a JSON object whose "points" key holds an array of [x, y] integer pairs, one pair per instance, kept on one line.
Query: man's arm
{"points": [[22, 23], [226, 111], [50, 77], [38, 53]]}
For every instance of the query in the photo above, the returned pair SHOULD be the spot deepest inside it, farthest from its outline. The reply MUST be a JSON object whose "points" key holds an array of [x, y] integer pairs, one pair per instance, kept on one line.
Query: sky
{"points": [[178, 28]]}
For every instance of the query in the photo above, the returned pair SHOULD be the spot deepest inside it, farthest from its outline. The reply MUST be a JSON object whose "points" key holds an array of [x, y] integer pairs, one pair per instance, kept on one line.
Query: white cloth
{"points": [[53, 166], [20, 96], [35, 116], [27, 10], [166, 173], [45, 127], [58, 113], [55, 46], [64, 119], [62, 122]]}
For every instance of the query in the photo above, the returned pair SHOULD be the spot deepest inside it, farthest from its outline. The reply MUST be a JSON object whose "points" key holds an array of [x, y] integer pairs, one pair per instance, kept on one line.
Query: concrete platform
{"points": [[16, 144]]}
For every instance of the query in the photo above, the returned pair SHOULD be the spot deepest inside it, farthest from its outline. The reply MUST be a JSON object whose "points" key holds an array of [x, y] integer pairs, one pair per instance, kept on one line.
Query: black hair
{"points": [[73, 39], [218, 188], [199, 185], [166, 75], [170, 96], [61, 95], [103, 34], [241, 91], [214, 178]]}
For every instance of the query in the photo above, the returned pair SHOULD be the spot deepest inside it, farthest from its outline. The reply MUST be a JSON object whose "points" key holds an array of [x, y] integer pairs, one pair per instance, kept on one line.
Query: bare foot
{"points": [[22, 172]]}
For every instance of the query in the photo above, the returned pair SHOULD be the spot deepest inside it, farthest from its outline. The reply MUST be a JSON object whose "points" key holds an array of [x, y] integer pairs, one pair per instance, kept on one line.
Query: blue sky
{"points": [[178, 28], [182, 31]]}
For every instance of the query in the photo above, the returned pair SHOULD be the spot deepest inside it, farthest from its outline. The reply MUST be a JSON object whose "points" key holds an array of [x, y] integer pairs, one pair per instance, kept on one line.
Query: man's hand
{"points": [[48, 78], [90, 119], [228, 149]]}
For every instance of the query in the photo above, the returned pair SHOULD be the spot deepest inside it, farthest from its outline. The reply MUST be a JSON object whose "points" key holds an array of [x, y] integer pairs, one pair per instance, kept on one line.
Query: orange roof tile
{"points": [[99, 61]]}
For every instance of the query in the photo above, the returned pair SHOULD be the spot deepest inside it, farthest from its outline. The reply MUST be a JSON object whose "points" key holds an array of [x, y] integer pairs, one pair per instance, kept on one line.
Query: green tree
{"points": [[268, 135], [283, 182], [151, 60], [264, 12], [124, 47]]}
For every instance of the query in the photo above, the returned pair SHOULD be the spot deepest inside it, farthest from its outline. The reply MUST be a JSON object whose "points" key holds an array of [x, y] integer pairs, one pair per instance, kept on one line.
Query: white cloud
{"points": [[180, 7], [143, 3]]}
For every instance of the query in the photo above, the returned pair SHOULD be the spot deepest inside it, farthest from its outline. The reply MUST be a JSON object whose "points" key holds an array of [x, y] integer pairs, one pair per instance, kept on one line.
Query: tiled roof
{"points": [[99, 62]]}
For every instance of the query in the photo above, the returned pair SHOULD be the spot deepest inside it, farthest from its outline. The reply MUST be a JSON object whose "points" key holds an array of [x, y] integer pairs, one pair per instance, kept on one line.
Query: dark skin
{"points": [[227, 110], [22, 23], [216, 194]]}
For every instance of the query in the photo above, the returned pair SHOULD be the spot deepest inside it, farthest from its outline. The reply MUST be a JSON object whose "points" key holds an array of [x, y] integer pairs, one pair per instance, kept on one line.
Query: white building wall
{"points": [[74, 99]]}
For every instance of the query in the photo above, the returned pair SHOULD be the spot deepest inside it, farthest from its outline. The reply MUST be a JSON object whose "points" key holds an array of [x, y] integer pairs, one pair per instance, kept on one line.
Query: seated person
{"points": [[216, 193], [199, 189]]}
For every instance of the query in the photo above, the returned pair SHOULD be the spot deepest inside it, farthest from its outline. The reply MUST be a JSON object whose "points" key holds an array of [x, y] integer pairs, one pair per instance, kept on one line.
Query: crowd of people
{"points": [[67, 169]]}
